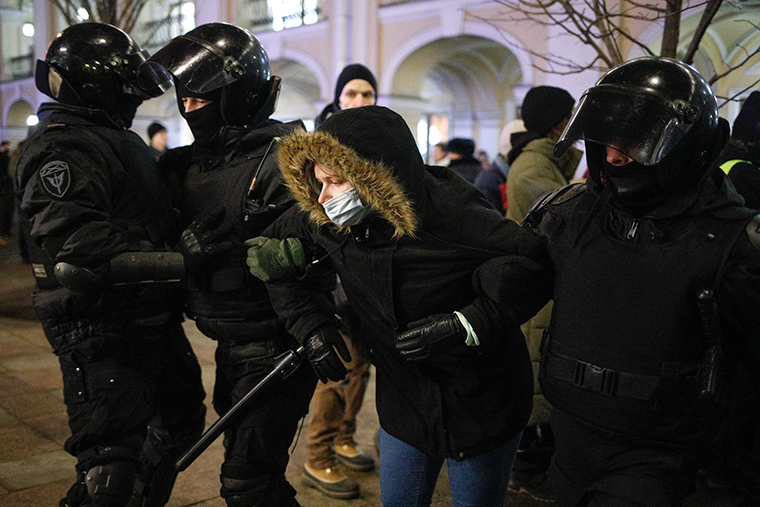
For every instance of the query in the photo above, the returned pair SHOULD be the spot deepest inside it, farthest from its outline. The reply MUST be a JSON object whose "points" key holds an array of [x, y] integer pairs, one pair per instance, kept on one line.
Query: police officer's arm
{"points": [[738, 298], [69, 201], [513, 284]]}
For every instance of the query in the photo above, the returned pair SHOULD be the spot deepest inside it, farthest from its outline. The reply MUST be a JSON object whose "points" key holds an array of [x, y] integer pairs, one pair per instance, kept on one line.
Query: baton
{"points": [[286, 365]]}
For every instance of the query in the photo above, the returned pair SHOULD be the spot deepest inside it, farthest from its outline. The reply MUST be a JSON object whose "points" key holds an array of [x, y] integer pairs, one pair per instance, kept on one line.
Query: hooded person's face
{"points": [[332, 184], [194, 103], [356, 93]]}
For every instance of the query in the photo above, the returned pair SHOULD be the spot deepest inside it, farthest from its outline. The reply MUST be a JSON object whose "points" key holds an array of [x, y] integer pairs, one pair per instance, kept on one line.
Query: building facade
{"points": [[451, 68]]}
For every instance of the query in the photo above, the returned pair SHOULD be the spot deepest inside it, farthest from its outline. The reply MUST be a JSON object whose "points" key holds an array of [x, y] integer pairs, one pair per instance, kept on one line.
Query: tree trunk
{"points": [[672, 29]]}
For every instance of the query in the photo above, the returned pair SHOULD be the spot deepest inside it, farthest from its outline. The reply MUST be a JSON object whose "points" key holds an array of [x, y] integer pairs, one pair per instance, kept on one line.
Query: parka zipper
{"points": [[633, 229]]}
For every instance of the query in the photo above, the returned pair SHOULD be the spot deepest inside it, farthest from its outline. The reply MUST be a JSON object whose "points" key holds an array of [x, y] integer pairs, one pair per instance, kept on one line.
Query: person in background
{"points": [[7, 200], [356, 87], [157, 139], [231, 189], [461, 151], [100, 226], [485, 162], [535, 171], [741, 158], [441, 155], [442, 283], [657, 286], [493, 181]]}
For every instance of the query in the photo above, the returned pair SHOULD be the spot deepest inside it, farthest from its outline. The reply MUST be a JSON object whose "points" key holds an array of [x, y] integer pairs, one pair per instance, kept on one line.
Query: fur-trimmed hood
{"points": [[373, 149]]}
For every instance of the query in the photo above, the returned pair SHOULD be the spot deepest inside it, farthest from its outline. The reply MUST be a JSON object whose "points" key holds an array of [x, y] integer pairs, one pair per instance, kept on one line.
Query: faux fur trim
{"points": [[373, 181]]}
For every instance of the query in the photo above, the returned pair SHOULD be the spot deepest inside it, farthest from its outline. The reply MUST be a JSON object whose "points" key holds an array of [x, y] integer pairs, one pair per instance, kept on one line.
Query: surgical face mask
{"points": [[346, 209]]}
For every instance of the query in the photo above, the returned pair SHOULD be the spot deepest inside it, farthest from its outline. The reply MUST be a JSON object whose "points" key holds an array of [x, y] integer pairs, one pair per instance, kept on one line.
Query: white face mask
{"points": [[346, 209]]}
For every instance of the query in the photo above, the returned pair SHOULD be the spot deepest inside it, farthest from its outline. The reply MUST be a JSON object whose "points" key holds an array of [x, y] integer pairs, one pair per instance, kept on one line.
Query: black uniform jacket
{"points": [[627, 336], [89, 191], [239, 172], [432, 245]]}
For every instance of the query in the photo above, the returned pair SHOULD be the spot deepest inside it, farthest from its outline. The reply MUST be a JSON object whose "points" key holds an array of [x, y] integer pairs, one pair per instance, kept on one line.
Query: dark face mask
{"points": [[637, 186], [125, 110], [631, 178], [205, 122]]}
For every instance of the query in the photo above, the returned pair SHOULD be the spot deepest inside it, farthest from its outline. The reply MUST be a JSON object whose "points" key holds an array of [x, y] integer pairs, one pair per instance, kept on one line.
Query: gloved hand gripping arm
{"points": [[435, 334], [205, 237], [320, 349], [271, 259]]}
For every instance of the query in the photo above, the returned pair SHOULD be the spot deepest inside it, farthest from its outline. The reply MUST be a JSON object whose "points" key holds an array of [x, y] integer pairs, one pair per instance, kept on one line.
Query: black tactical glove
{"points": [[320, 349], [434, 334], [205, 238]]}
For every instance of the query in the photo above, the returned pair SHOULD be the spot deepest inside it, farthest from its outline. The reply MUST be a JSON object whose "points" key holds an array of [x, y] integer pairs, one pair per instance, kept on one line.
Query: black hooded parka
{"points": [[430, 245]]}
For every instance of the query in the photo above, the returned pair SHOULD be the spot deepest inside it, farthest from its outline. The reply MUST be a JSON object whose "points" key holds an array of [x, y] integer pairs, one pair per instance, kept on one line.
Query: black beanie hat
{"points": [[461, 146], [351, 72], [544, 107], [747, 124], [154, 128]]}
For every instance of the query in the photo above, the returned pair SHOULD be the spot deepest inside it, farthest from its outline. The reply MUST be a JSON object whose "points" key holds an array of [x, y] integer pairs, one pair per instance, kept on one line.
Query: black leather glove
{"points": [[434, 334], [320, 349], [205, 238]]}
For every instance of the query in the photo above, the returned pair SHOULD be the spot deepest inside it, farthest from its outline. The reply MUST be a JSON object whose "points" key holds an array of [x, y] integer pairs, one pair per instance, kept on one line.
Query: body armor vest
{"points": [[223, 289], [626, 343]]}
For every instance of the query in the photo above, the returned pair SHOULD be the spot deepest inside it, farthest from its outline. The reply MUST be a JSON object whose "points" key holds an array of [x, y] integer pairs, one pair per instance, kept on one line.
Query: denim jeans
{"points": [[408, 476]]}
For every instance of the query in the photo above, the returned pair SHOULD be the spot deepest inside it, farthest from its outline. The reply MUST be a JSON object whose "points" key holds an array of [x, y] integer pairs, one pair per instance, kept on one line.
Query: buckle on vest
{"points": [[595, 378]]}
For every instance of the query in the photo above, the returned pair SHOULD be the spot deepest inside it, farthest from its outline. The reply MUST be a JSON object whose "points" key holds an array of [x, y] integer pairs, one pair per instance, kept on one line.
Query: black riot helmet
{"points": [[99, 66], [660, 112], [220, 56]]}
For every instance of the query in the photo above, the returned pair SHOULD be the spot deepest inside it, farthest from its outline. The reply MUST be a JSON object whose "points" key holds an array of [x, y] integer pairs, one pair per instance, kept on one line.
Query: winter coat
{"points": [[431, 245], [535, 172], [493, 183], [89, 191], [467, 167]]}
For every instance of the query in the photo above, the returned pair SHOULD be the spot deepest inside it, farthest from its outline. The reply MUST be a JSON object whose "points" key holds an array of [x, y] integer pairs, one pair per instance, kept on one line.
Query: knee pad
{"points": [[111, 484]]}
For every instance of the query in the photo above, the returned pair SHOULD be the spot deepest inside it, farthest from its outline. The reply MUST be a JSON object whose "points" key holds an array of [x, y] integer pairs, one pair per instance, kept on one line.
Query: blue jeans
{"points": [[408, 476]]}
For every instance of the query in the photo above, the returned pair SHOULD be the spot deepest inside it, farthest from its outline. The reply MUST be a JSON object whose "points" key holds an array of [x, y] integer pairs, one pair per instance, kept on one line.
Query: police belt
{"points": [[609, 382]]}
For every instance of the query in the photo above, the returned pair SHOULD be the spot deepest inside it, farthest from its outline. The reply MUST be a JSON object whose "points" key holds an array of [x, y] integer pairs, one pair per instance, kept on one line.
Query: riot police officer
{"points": [[655, 258], [98, 222], [231, 189]]}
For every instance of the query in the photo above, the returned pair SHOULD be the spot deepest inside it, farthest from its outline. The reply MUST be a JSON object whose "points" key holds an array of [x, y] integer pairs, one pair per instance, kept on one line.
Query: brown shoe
{"points": [[330, 482], [354, 458]]}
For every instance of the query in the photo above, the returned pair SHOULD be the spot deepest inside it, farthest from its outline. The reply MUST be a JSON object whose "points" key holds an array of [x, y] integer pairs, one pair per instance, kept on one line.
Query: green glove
{"points": [[271, 259]]}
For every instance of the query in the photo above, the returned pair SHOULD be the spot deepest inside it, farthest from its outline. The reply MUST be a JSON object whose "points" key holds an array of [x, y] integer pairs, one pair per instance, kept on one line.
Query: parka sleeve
{"points": [[738, 298], [302, 306]]}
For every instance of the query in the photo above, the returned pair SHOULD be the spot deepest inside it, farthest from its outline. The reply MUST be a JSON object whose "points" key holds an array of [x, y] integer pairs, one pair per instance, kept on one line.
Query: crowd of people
{"points": [[592, 343]]}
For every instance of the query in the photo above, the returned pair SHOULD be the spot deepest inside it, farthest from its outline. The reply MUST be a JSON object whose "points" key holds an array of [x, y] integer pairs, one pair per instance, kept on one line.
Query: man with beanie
{"points": [[356, 87], [493, 181], [157, 139], [741, 158], [535, 171], [335, 405], [463, 162]]}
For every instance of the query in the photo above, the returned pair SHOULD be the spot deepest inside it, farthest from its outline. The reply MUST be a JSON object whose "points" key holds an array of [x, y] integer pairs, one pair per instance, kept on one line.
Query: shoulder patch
{"points": [[56, 178], [753, 231]]}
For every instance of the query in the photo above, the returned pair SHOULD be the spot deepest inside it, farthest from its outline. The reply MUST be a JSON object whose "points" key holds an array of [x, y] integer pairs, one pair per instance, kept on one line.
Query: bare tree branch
{"points": [[704, 22], [120, 13]]}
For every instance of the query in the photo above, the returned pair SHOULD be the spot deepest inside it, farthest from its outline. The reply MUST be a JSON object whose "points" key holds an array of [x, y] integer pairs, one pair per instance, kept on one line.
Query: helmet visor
{"points": [[641, 124], [199, 66], [142, 78]]}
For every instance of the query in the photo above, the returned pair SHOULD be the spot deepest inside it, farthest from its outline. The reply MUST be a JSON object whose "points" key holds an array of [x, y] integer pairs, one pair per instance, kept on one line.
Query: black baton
{"points": [[287, 363], [709, 372]]}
